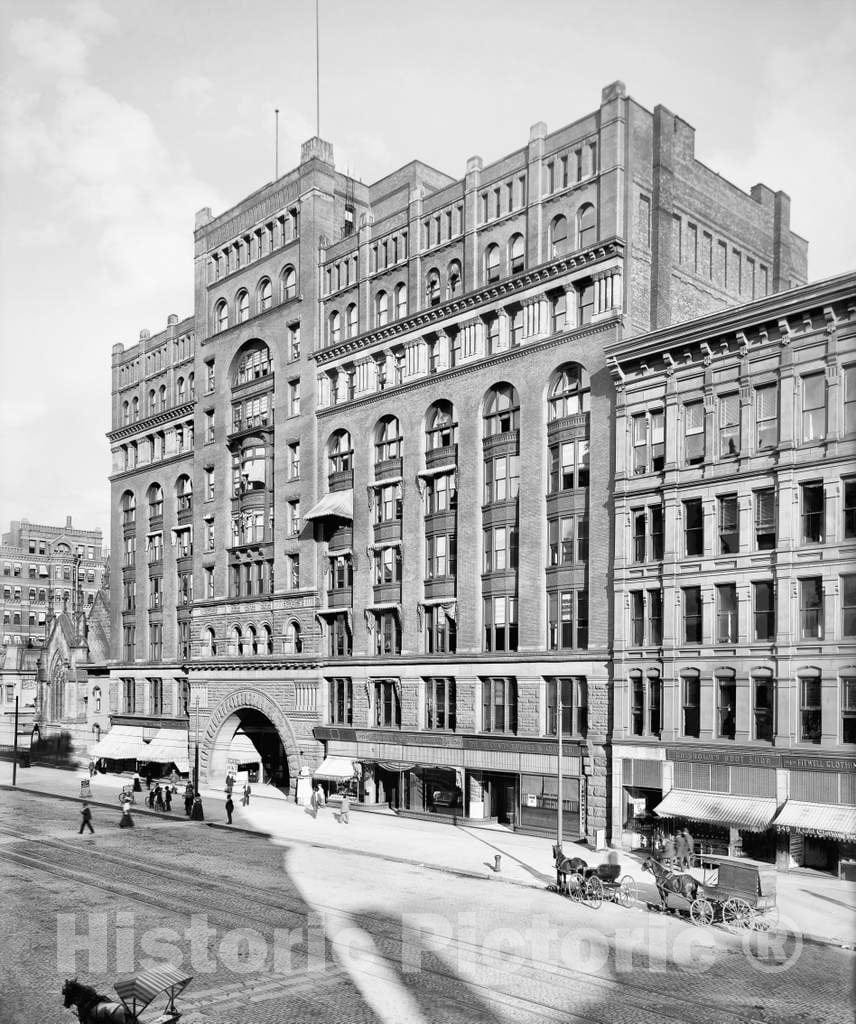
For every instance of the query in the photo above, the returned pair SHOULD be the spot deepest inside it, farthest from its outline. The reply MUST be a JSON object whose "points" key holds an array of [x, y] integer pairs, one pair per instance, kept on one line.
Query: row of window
{"points": [[256, 244], [34, 596], [262, 299], [749, 706], [162, 444], [185, 391], [182, 348], [62, 572]]}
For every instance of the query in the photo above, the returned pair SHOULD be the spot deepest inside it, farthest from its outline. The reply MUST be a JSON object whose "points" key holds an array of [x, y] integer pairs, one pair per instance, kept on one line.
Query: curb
{"points": [[137, 809]]}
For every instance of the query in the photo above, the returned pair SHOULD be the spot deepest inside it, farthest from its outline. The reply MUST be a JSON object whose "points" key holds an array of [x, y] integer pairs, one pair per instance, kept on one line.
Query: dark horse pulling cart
{"points": [[136, 993], [741, 894], [576, 880]]}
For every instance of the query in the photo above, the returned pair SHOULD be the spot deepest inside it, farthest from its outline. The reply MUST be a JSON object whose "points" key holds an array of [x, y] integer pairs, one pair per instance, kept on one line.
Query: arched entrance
{"points": [[248, 728]]}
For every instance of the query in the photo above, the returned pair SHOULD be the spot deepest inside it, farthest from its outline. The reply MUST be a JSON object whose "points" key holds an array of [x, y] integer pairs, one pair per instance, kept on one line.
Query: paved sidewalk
{"points": [[820, 906]]}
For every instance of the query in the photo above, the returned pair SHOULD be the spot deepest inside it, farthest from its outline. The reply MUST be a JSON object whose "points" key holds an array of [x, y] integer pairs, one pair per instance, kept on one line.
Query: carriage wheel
{"points": [[701, 912], [766, 920], [737, 915], [627, 892], [593, 893]]}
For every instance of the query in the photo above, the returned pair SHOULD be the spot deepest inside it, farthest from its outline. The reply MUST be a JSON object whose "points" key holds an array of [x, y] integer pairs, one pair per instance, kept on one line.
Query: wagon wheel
{"points": [[766, 920], [701, 912], [627, 892], [737, 915], [593, 893]]}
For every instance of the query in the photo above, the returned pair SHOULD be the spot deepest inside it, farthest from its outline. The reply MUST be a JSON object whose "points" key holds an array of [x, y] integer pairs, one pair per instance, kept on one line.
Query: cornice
{"points": [[432, 315], [148, 467], [157, 419], [458, 371]]}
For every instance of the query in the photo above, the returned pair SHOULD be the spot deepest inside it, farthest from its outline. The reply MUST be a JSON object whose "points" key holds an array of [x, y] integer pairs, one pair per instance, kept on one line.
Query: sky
{"points": [[118, 121]]}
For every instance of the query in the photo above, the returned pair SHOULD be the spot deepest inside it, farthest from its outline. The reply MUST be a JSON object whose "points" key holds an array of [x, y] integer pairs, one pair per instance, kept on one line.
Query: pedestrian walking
{"points": [[126, 821], [669, 852], [150, 799], [320, 799], [86, 822], [230, 782], [148, 778], [137, 787], [188, 799], [690, 848], [245, 796], [229, 808], [345, 810], [196, 811], [681, 850], [91, 769], [159, 804], [168, 798]]}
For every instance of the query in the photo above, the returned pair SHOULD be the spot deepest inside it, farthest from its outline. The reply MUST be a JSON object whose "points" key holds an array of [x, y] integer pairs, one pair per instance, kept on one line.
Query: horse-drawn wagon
{"points": [[137, 992], [741, 894], [592, 885]]}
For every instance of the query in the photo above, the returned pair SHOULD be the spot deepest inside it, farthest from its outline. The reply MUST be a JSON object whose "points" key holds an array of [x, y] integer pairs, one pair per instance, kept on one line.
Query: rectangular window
{"points": [[574, 700], [765, 519], [729, 425], [637, 618], [848, 709], [848, 606], [637, 704], [849, 509], [655, 521], [156, 696], [440, 631], [640, 529], [640, 444], [691, 699], [440, 704], [645, 221], [387, 705], [294, 398], [811, 608], [763, 600], [726, 707], [694, 433], [764, 709], [766, 417], [500, 623], [209, 426], [341, 710], [812, 502], [693, 527], [499, 705], [294, 461], [729, 533], [810, 710], [726, 613], [129, 696], [814, 407], [849, 400], [692, 615], [655, 617]]}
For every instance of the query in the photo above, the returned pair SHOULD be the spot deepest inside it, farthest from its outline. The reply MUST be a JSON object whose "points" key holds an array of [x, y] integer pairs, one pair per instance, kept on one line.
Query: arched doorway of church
{"points": [[249, 746]]}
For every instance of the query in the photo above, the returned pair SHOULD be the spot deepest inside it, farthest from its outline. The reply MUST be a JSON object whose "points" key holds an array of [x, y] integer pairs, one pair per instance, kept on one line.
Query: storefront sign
{"points": [[718, 756], [822, 764], [638, 803]]}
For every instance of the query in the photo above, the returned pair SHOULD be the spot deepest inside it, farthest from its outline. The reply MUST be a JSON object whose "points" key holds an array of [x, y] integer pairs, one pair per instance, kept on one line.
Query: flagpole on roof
{"points": [[317, 77]]}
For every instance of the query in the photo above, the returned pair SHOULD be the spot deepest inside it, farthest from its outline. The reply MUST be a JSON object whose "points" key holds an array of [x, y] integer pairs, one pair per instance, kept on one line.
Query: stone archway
{"points": [[245, 710]]}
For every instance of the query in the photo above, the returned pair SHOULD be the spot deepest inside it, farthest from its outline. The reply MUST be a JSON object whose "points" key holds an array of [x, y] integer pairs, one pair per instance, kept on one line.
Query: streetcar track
{"points": [[503, 961]]}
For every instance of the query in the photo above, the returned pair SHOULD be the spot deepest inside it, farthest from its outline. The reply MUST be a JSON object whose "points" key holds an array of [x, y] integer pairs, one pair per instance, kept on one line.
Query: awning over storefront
{"points": [[336, 503], [826, 821], [753, 813], [335, 769], [169, 746], [121, 742]]}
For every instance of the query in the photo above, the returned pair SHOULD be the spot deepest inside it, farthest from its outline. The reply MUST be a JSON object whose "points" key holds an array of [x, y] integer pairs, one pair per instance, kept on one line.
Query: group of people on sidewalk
{"points": [[679, 852], [246, 792], [318, 801]]}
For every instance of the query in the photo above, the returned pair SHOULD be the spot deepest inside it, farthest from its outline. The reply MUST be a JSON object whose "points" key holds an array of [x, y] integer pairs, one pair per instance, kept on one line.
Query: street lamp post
{"points": [[559, 730], [196, 754]]}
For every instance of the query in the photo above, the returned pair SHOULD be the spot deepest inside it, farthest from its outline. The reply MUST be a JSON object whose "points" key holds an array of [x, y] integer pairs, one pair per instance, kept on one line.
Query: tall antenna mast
{"points": [[276, 146], [317, 78]]}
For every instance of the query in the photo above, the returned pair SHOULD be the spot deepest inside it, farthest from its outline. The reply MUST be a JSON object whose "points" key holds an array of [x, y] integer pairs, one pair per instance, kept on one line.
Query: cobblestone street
{"points": [[273, 933]]}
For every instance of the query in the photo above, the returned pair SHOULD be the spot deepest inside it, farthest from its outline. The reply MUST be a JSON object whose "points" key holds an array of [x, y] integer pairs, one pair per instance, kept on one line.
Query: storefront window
{"points": [[539, 802]]}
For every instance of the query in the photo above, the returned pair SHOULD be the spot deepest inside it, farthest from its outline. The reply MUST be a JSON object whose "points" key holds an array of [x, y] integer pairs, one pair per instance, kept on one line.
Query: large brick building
{"points": [[735, 577], [378, 528]]}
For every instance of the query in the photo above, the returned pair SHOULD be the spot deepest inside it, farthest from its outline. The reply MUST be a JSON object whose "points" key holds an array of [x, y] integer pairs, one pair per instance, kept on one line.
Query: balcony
{"points": [[445, 456], [388, 468], [387, 593], [387, 531], [341, 480], [342, 540], [341, 598]]}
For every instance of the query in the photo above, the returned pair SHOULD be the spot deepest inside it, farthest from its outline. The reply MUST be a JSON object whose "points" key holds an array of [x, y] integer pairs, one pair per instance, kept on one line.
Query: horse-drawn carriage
{"points": [[576, 880], [741, 894], [136, 993]]}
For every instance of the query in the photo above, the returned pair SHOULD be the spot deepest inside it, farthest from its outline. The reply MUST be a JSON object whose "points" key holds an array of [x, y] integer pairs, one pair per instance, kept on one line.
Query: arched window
{"points": [[381, 309], [252, 640], [162, 395], [516, 254], [153, 401], [335, 327], [491, 263], [265, 294], [252, 362], [559, 235], [454, 278], [180, 390], [292, 642], [129, 508], [400, 301], [96, 700], [288, 284], [569, 392], [432, 287], [135, 409], [353, 321], [237, 640], [126, 413], [184, 493], [243, 305], [501, 410], [441, 430], [155, 496], [221, 316], [267, 640], [387, 440], [340, 452], [210, 642], [586, 226]]}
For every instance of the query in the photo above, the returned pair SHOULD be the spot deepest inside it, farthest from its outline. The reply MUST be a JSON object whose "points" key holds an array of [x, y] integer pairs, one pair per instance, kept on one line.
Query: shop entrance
{"points": [[500, 797], [248, 744]]}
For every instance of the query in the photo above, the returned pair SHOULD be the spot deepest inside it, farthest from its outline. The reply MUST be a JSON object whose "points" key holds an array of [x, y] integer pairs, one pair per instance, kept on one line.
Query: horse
{"points": [[566, 866], [92, 1007], [678, 882]]}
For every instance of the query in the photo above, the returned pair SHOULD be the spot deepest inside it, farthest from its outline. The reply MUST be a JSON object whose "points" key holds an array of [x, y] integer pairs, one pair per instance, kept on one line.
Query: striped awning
{"points": [[138, 990], [749, 812], [169, 746], [121, 742], [336, 503], [826, 821], [335, 769]]}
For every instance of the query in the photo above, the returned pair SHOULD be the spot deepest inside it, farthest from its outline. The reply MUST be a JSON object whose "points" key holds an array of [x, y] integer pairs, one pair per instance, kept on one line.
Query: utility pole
{"points": [[559, 730], [15, 747], [196, 755]]}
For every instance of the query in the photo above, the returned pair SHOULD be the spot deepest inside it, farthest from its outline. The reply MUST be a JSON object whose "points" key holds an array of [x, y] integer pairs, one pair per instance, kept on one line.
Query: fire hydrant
{"points": [[497, 862]]}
